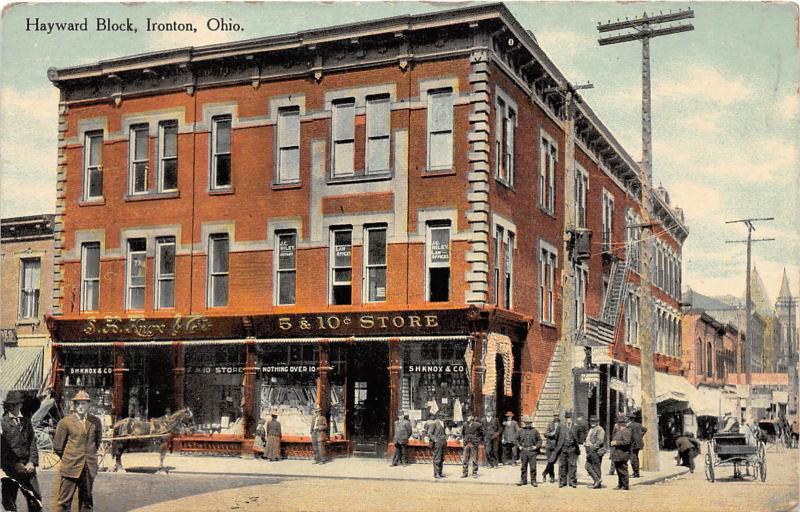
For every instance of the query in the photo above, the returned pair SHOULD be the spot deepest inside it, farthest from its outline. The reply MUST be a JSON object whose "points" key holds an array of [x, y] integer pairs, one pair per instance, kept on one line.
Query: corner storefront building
{"points": [[361, 368]]}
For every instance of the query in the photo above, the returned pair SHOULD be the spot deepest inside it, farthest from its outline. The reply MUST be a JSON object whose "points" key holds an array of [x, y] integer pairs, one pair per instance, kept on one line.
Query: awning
{"points": [[266, 341], [674, 392], [21, 368]]}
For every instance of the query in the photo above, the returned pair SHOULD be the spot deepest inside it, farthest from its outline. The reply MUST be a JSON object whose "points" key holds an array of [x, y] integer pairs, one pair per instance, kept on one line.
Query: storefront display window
{"points": [[91, 370], [214, 387], [434, 381]]}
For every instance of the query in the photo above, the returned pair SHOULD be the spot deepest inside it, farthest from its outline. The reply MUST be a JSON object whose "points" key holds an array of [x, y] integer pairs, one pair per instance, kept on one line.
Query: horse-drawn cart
{"points": [[732, 449]]}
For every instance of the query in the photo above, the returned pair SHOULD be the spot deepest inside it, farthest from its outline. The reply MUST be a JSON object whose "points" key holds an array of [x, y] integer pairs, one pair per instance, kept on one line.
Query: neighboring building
{"points": [[786, 310], [26, 252], [366, 217], [711, 350]]}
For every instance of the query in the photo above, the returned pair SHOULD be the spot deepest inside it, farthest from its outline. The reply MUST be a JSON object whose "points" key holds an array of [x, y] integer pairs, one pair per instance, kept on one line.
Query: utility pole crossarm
{"points": [[748, 241]]}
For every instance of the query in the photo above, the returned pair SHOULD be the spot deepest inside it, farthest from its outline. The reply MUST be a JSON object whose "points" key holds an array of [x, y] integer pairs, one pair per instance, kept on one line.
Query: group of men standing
{"points": [[77, 438]]}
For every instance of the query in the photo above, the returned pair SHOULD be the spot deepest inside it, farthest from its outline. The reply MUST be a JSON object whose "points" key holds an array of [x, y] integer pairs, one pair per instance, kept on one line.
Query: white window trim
{"points": [[210, 270], [429, 132], [429, 227], [379, 98], [607, 200], [332, 262], [547, 192], [285, 110], [128, 268], [509, 105], [366, 266], [276, 265], [499, 237], [508, 264], [85, 280], [23, 313], [582, 176], [132, 161], [87, 167], [162, 278], [338, 173], [213, 152], [161, 158], [552, 257]]}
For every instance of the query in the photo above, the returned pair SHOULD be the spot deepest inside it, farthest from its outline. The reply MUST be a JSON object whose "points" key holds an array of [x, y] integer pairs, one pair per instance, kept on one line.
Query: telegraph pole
{"points": [[568, 320], [748, 304], [643, 29]]}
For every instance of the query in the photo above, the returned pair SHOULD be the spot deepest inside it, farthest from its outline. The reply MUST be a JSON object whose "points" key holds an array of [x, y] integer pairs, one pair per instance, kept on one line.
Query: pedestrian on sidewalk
{"points": [[688, 449], [637, 434], [509, 440], [19, 456], [568, 447], [437, 437], [551, 435], [528, 441], [78, 436], [472, 435], [319, 434], [491, 433], [272, 446], [260, 440], [402, 431], [595, 446], [621, 451]]}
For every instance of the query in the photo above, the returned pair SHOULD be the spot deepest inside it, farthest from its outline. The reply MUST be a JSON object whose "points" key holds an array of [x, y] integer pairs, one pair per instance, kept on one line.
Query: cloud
{"points": [[705, 83], [564, 42], [697, 200], [789, 107]]}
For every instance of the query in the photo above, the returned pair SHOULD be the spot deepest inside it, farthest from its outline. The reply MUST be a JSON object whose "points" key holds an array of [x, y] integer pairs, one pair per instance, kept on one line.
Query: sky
{"points": [[726, 113]]}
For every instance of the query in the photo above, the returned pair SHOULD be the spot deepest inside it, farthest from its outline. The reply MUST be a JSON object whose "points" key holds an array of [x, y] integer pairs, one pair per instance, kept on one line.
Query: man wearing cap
{"points": [[637, 433], [437, 437], [551, 435], [472, 434], [621, 451], [595, 445], [402, 431], [78, 436], [491, 433], [568, 447], [528, 442], [319, 434], [19, 456], [509, 439]]}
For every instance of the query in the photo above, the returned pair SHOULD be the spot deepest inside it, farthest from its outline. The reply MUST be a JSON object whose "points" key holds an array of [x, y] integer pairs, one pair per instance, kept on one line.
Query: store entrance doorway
{"points": [[148, 382], [368, 392]]}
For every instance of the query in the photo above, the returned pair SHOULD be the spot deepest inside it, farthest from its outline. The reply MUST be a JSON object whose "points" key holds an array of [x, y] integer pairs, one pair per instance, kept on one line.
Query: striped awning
{"points": [[21, 368]]}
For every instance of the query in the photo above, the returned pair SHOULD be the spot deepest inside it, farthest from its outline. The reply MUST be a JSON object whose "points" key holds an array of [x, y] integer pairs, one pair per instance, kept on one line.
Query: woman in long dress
{"points": [[260, 439], [272, 450]]}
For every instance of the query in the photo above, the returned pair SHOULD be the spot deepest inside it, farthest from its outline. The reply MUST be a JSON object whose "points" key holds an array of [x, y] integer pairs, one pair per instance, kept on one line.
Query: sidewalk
{"points": [[372, 469]]}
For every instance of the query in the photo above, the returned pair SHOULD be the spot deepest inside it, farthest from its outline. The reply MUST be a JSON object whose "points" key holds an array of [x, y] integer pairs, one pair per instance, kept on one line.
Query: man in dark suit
{"points": [[621, 441], [688, 448], [509, 440], [551, 435], [472, 435], [402, 431], [78, 436], [19, 456], [491, 433], [528, 442], [319, 435], [637, 434], [568, 448], [595, 445], [437, 437]]}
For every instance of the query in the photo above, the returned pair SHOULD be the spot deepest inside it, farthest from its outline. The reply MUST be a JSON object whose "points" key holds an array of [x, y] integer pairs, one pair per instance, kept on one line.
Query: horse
{"points": [[167, 426]]}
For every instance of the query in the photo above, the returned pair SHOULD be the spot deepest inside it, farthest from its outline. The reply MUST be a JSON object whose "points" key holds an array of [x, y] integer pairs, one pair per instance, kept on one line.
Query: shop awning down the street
{"points": [[675, 393], [21, 369]]}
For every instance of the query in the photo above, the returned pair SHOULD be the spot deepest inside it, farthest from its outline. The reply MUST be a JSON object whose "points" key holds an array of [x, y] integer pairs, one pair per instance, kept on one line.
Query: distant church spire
{"points": [[785, 292]]}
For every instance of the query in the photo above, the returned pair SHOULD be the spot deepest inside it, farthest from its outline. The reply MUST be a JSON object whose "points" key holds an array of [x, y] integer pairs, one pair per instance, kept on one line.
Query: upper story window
{"points": [[90, 276], [168, 156], [547, 270], [286, 268], [138, 163], [136, 264], [437, 249], [218, 273], [547, 175], [29, 285], [608, 219], [220, 152], [165, 272], [379, 115], [581, 188], [631, 319], [341, 261], [375, 263], [288, 144], [440, 129], [498, 245], [581, 277], [344, 115], [505, 121], [93, 165], [508, 249]]}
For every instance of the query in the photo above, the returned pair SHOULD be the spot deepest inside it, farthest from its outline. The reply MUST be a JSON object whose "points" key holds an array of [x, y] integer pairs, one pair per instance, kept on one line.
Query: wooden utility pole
{"points": [[568, 321], [644, 29], [748, 301]]}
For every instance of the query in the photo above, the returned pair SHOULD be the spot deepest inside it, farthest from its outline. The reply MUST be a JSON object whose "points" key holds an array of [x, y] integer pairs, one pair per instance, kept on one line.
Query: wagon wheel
{"points": [[755, 469], [762, 449], [47, 459], [709, 467], [763, 470]]}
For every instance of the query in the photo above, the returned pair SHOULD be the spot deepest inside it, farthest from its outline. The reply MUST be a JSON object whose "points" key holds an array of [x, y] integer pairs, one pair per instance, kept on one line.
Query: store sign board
{"points": [[115, 328], [590, 378], [759, 403], [90, 371], [435, 368], [600, 355], [617, 385], [231, 370], [780, 397]]}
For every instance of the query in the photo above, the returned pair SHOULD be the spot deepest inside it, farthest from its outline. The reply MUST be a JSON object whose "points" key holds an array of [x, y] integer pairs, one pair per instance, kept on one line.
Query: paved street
{"points": [[355, 484]]}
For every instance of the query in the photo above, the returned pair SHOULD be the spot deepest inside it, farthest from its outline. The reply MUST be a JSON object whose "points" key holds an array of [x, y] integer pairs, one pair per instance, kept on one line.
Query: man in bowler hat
{"points": [[472, 435], [551, 435], [509, 440], [528, 442], [637, 433], [402, 431], [568, 446], [19, 456], [621, 451], [437, 437]]}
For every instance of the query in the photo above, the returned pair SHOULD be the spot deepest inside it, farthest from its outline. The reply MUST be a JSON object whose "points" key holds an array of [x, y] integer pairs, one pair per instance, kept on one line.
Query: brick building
{"points": [[369, 217], [26, 260]]}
